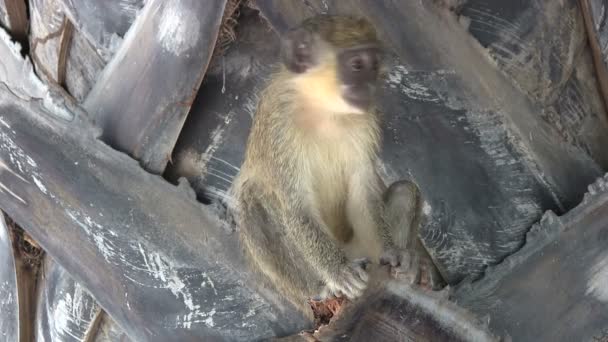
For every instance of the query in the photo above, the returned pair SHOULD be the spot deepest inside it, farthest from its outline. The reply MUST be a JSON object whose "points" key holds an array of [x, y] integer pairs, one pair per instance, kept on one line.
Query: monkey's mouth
{"points": [[358, 97]]}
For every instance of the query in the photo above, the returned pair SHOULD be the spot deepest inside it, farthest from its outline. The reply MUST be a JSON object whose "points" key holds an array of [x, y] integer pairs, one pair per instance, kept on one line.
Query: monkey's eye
{"points": [[356, 63]]}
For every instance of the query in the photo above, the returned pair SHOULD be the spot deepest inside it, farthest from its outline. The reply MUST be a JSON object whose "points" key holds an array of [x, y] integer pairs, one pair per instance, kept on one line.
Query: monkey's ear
{"points": [[297, 50]]}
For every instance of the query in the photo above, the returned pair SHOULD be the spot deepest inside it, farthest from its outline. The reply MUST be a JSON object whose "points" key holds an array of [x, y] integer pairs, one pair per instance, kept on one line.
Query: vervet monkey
{"points": [[308, 200]]}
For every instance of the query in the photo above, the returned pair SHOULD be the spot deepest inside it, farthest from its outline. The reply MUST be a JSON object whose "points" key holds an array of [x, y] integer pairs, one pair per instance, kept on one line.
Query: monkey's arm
{"points": [[340, 275], [288, 244]]}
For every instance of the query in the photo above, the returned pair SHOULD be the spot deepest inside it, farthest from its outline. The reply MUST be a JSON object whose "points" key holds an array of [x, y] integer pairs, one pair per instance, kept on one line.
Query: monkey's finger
{"points": [[359, 285], [357, 294], [425, 271], [362, 262], [419, 269], [417, 278], [391, 258], [409, 268], [333, 294], [362, 274], [355, 284], [407, 260], [354, 288], [345, 287], [326, 293], [353, 293], [349, 292], [360, 278]]}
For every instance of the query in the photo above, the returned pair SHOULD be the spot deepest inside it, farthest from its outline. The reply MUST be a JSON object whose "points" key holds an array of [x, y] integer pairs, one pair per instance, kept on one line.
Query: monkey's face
{"points": [[340, 83], [358, 74], [336, 61]]}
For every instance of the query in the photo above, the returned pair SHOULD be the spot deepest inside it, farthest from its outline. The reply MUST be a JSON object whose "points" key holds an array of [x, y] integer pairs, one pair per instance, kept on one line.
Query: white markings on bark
{"points": [[178, 28], [97, 233], [217, 138], [209, 281], [597, 282], [23, 163], [3, 123], [40, 186], [61, 318], [164, 272], [400, 78], [72, 314], [201, 167], [14, 159], [251, 105], [153, 269], [8, 300], [5, 189], [426, 208]]}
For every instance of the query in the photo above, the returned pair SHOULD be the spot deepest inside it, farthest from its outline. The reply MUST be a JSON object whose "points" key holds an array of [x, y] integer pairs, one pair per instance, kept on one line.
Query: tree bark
{"points": [[143, 96], [154, 258]]}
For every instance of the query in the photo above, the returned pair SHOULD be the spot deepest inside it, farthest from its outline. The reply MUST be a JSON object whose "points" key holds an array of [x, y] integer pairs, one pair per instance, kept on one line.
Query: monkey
{"points": [[308, 201]]}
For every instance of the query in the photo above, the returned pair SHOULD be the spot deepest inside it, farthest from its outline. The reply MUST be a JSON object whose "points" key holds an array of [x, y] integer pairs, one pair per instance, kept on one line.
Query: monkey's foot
{"points": [[414, 267]]}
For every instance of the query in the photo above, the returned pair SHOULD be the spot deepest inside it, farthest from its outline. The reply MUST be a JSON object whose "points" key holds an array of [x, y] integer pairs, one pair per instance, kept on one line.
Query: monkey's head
{"points": [[335, 61]]}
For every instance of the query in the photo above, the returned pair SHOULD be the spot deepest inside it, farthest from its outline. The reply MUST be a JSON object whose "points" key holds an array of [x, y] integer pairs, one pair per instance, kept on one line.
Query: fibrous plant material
{"points": [[227, 34], [25, 246], [28, 257], [325, 310]]}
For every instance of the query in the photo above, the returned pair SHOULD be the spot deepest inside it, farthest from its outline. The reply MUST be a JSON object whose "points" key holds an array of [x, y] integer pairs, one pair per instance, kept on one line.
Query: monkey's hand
{"points": [[413, 265], [349, 280]]}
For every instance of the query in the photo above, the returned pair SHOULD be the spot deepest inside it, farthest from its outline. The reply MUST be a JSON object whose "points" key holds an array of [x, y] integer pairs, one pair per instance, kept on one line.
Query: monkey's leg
{"points": [[275, 259], [363, 210], [403, 214]]}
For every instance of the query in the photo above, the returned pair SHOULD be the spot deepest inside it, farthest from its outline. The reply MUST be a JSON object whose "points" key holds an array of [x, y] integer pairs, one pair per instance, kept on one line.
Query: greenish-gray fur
{"points": [[308, 200]]}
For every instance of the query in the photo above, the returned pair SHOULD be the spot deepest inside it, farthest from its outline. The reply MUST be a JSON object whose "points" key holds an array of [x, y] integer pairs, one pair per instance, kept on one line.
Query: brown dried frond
{"points": [[325, 310], [227, 34], [28, 249]]}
